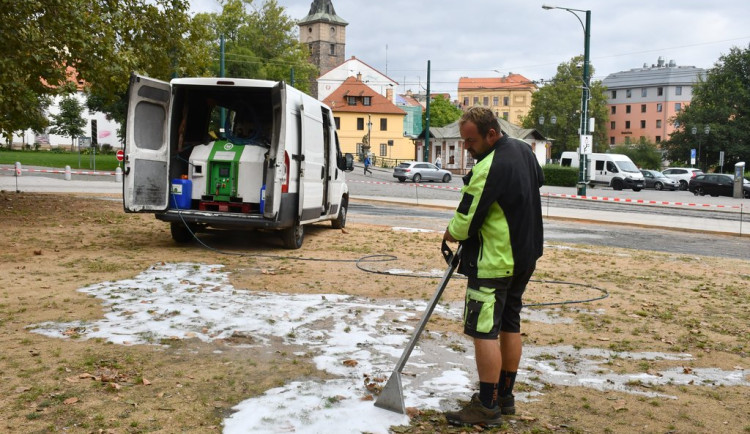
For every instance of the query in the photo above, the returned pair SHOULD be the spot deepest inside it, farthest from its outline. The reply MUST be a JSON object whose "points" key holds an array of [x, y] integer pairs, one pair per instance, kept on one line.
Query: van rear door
{"points": [[312, 171], [146, 164], [278, 174]]}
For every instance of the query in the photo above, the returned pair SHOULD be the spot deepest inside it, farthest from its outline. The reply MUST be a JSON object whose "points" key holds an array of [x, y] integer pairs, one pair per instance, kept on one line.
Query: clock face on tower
{"points": [[333, 29]]}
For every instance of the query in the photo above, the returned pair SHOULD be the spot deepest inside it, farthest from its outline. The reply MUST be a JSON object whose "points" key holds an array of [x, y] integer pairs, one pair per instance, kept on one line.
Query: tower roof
{"points": [[322, 11]]}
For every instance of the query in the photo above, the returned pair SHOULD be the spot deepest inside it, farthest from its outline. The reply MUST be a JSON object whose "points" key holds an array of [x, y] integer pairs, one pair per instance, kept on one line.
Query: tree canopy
{"points": [[721, 101], [562, 98], [442, 112], [69, 121]]}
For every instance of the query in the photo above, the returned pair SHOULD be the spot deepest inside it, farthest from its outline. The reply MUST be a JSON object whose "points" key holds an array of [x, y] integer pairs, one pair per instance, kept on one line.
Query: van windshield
{"points": [[627, 166]]}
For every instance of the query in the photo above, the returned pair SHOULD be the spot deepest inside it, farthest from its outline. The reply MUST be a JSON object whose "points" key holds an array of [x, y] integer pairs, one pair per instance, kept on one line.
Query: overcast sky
{"points": [[484, 38]]}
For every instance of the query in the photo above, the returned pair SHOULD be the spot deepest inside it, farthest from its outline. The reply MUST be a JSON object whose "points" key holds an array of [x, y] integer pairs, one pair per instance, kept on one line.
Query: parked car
{"points": [[717, 184], [683, 175], [656, 180], [417, 171]]}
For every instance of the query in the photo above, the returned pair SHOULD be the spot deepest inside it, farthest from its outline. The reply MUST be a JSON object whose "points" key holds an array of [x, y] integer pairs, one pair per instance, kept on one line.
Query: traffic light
{"points": [[94, 135]]}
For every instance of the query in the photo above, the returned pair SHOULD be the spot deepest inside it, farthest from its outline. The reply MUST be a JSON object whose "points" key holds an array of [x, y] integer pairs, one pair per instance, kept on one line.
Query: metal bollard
{"points": [[118, 174], [67, 173], [18, 168]]}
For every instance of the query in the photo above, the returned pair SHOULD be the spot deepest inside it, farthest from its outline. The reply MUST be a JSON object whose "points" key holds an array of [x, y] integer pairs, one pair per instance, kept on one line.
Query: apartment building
{"points": [[643, 102], [509, 97]]}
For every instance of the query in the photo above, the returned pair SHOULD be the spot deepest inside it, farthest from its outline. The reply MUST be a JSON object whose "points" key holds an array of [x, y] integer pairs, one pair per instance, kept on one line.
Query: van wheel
{"points": [[617, 184], [180, 233], [340, 221], [293, 236], [446, 178]]}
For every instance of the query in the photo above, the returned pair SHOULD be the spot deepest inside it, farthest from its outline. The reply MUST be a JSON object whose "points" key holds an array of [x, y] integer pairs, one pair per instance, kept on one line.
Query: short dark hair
{"points": [[483, 118]]}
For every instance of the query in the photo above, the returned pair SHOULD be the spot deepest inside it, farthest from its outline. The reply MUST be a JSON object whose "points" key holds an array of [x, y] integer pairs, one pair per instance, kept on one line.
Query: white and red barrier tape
{"points": [[61, 171], [572, 196]]}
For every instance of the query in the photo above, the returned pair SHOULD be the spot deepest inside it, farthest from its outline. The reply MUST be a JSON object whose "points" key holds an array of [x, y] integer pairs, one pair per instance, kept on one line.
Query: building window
{"points": [[611, 140], [643, 108], [628, 93], [643, 124], [476, 100], [658, 139], [383, 124], [627, 109], [383, 150], [658, 107], [644, 92], [658, 123], [337, 121], [614, 94], [332, 50], [466, 101], [366, 100], [627, 125], [659, 91], [486, 101], [495, 100], [350, 100], [677, 106], [678, 90], [360, 124], [506, 101], [506, 115], [612, 125], [677, 124], [613, 110]]}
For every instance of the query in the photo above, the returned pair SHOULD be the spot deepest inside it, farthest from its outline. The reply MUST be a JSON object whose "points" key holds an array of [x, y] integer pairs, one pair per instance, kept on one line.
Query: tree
{"points": [[721, 100], [69, 121], [562, 98], [644, 154], [442, 112]]}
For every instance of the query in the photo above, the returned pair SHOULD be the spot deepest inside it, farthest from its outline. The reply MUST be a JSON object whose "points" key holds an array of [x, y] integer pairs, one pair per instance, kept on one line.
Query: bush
{"points": [[560, 176]]}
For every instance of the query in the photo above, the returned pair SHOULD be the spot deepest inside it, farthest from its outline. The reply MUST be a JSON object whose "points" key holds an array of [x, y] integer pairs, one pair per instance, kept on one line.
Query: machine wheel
{"points": [[293, 236], [699, 191], [180, 233], [683, 184], [417, 178], [401, 179], [617, 184], [446, 178], [659, 186], [340, 221]]}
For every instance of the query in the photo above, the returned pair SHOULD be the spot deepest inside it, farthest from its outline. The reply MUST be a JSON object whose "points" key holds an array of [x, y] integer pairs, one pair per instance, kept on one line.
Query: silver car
{"points": [[418, 171], [656, 180]]}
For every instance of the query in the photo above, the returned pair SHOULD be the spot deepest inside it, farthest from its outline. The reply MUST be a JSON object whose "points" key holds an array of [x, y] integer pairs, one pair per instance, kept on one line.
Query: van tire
{"points": [[180, 233], [617, 184], [340, 221], [293, 236]]}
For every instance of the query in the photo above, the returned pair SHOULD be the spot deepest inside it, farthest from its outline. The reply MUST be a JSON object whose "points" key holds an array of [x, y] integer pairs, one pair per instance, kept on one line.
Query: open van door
{"points": [[277, 174], [312, 172], [146, 163]]}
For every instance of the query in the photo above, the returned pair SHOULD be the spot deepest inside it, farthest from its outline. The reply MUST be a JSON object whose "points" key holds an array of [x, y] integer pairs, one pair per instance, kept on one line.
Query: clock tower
{"points": [[324, 33]]}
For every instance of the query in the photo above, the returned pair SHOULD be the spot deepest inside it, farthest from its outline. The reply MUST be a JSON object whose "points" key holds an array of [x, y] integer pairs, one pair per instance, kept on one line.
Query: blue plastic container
{"points": [[181, 193], [263, 199]]}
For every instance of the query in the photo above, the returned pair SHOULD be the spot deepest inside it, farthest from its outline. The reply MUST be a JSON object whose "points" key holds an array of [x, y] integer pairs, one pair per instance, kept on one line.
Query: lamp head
{"points": [[547, 7]]}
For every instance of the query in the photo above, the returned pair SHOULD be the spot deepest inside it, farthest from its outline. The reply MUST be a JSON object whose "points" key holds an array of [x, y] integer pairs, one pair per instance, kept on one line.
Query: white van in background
{"points": [[232, 154], [614, 170]]}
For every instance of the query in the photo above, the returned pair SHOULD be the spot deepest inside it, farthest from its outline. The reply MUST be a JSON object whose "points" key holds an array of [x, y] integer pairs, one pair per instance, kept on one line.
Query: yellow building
{"points": [[369, 122], [509, 97]]}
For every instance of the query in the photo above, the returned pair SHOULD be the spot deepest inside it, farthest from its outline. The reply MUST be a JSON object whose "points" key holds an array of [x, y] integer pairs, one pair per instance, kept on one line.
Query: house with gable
{"points": [[353, 67], [368, 122]]}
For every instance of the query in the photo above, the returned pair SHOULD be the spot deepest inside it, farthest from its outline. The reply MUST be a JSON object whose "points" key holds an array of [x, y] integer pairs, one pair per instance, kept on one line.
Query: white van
{"points": [[614, 170], [229, 153]]}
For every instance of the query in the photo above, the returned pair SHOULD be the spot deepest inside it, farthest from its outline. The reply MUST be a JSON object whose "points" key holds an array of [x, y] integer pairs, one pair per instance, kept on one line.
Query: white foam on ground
{"points": [[186, 300]]}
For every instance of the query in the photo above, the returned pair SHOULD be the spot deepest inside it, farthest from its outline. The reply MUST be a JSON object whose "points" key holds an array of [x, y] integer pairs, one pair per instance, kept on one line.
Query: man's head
{"points": [[479, 129]]}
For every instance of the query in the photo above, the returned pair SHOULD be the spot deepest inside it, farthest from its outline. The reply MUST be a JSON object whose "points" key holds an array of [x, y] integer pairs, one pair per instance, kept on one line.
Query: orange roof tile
{"points": [[512, 81], [353, 87]]}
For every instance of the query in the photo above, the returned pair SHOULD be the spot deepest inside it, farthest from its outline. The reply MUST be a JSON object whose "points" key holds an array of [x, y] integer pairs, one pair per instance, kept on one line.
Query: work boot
{"points": [[475, 413], [507, 404]]}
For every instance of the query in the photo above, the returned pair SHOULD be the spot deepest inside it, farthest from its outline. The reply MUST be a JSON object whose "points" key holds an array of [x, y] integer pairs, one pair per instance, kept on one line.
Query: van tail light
{"points": [[285, 181]]}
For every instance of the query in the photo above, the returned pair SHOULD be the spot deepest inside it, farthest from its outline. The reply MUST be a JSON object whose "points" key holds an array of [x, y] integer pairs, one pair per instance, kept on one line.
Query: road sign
{"points": [[587, 144], [120, 155], [692, 157]]}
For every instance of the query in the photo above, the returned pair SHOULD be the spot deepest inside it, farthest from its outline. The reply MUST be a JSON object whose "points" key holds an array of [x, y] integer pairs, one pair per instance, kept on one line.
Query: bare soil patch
{"points": [[52, 245]]}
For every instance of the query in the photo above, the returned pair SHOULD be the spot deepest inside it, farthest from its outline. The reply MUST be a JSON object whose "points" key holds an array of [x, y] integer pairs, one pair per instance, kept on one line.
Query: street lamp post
{"points": [[694, 130], [584, 130]]}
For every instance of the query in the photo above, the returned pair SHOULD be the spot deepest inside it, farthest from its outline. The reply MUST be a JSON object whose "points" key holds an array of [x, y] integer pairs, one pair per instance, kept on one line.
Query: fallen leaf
{"points": [[146, 382], [37, 252], [602, 339], [350, 363], [687, 370], [115, 386], [22, 389], [70, 401]]}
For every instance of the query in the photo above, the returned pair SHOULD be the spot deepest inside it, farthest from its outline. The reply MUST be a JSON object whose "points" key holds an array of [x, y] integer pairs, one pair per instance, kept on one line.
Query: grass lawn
{"points": [[105, 162]]}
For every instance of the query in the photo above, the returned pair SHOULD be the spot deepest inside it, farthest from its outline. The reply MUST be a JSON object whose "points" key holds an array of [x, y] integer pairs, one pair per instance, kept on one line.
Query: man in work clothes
{"points": [[499, 223]]}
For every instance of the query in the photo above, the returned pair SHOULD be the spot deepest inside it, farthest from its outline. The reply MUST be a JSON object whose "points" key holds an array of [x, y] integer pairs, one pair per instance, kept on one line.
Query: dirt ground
{"points": [[52, 245]]}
